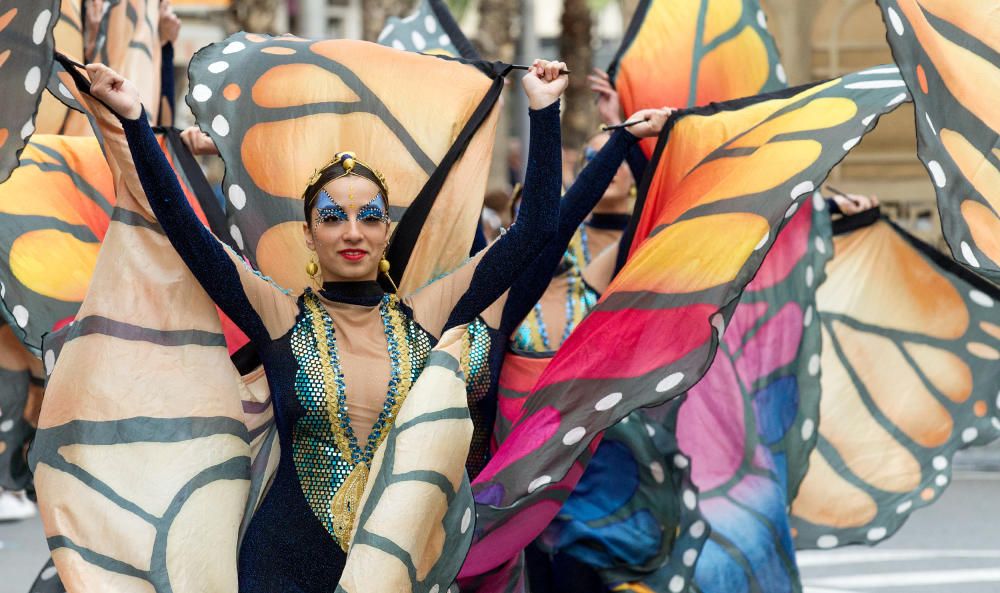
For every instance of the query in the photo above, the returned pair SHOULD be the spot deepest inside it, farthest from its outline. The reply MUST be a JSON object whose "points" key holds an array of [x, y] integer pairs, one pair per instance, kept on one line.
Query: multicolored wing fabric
{"points": [[497, 531], [26, 45], [688, 53], [733, 427], [632, 514], [279, 108], [911, 344], [20, 396], [745, 423], [735, 174], [949, 55], [127, 41], [49, 243], [430, 29]]}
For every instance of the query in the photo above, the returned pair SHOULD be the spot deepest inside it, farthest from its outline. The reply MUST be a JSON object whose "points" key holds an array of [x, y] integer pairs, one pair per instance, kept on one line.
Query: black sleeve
{"points": [[201, 251], [536, 223], [167, 88], [586, 191], [637, 162]]}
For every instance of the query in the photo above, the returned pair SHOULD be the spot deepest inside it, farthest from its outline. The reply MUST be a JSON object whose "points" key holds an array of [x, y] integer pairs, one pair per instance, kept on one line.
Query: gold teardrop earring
{"points": [[312, 268], [383, 266], [633, 192]]}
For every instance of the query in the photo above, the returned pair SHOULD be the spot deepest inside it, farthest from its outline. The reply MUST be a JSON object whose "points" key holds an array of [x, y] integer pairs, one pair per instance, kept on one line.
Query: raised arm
{"points": [[462, 295], [169, 28], [586, 191], [253, 303]]}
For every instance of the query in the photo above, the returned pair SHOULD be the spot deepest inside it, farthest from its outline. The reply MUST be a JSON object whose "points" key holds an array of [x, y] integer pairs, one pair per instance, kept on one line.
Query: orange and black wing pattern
{"points": [[949, 55], [695, 52], [279, 108], [60, 111], [429, 29], [26, 45], [54, 212], [909, 374], [20, 398], [129, 451], [129, 42]]}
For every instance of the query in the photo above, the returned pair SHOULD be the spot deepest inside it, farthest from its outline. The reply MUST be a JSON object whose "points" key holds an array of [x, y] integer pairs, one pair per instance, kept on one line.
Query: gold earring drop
{"points": [[633, 192], [383, 266], [312, 269]]}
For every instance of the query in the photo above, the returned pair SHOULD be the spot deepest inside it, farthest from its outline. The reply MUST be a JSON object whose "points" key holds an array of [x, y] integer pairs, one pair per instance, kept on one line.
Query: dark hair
{"points": [[343, 163]]}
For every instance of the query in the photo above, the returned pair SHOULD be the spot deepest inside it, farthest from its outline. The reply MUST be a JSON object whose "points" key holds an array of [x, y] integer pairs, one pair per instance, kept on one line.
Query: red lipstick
{"points": [[353, 254]]}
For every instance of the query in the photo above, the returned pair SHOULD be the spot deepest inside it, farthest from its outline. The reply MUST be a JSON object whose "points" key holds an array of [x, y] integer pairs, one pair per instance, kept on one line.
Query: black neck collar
{"points": [[361, 292], [613, 222]]}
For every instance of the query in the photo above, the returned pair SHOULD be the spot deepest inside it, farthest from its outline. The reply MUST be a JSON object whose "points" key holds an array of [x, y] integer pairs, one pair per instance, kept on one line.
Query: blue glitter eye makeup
{"points": [[329, 211], [374, 211]]}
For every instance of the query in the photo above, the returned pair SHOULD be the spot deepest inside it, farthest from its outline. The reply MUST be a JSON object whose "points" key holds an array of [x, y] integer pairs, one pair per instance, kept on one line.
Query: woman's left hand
{"points": [[651, 122], [543, 84]]}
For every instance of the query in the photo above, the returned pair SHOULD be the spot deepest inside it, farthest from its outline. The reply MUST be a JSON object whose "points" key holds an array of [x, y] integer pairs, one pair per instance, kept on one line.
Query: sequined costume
{"points": [[294, 541]]}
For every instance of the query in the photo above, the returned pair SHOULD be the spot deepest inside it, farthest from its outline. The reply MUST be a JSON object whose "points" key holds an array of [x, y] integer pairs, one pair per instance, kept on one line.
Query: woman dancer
{"points": [[340, 359]]}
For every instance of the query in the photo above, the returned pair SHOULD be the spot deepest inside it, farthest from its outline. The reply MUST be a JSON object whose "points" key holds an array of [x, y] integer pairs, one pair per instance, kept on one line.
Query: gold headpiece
{"points": [[349, 162]]}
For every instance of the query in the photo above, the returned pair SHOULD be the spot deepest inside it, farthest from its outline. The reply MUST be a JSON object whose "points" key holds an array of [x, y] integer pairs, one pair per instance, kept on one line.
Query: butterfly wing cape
{"points": [[911, 344], [430, 29], [49, 243], [150, 455], [729, 455], [633, 511], [20, 396], [26, 45], [949, 55], [141, 470], [683, 54], [743, 424], [735, 174], [60, 111], [279, 108]]}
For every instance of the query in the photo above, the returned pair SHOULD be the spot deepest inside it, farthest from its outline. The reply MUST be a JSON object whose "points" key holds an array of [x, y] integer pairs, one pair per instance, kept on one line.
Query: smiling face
{"points": [[348, 228]]}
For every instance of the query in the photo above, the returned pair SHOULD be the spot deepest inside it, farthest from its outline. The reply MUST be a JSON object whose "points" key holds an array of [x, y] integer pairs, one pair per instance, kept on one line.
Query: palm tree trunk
{"points": [[497, 41], [580, 119]]}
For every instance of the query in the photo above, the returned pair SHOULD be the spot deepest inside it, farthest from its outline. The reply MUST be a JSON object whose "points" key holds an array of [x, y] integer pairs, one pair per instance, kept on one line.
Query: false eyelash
{"points": [[372, 213], [328, 213]]}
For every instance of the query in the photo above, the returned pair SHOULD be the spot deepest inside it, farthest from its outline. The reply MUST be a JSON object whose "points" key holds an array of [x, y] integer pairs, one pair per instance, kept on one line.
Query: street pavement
{"points": [[951, 547]]}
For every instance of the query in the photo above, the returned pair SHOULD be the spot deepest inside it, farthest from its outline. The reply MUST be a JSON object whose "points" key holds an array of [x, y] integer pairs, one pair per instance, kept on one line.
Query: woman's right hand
{"points": [[115, 91], [651, 122]]}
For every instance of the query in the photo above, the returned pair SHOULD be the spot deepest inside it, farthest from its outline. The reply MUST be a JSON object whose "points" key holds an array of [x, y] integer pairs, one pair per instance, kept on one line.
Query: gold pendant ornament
{"points": [[312, 269], [383, 266]]}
